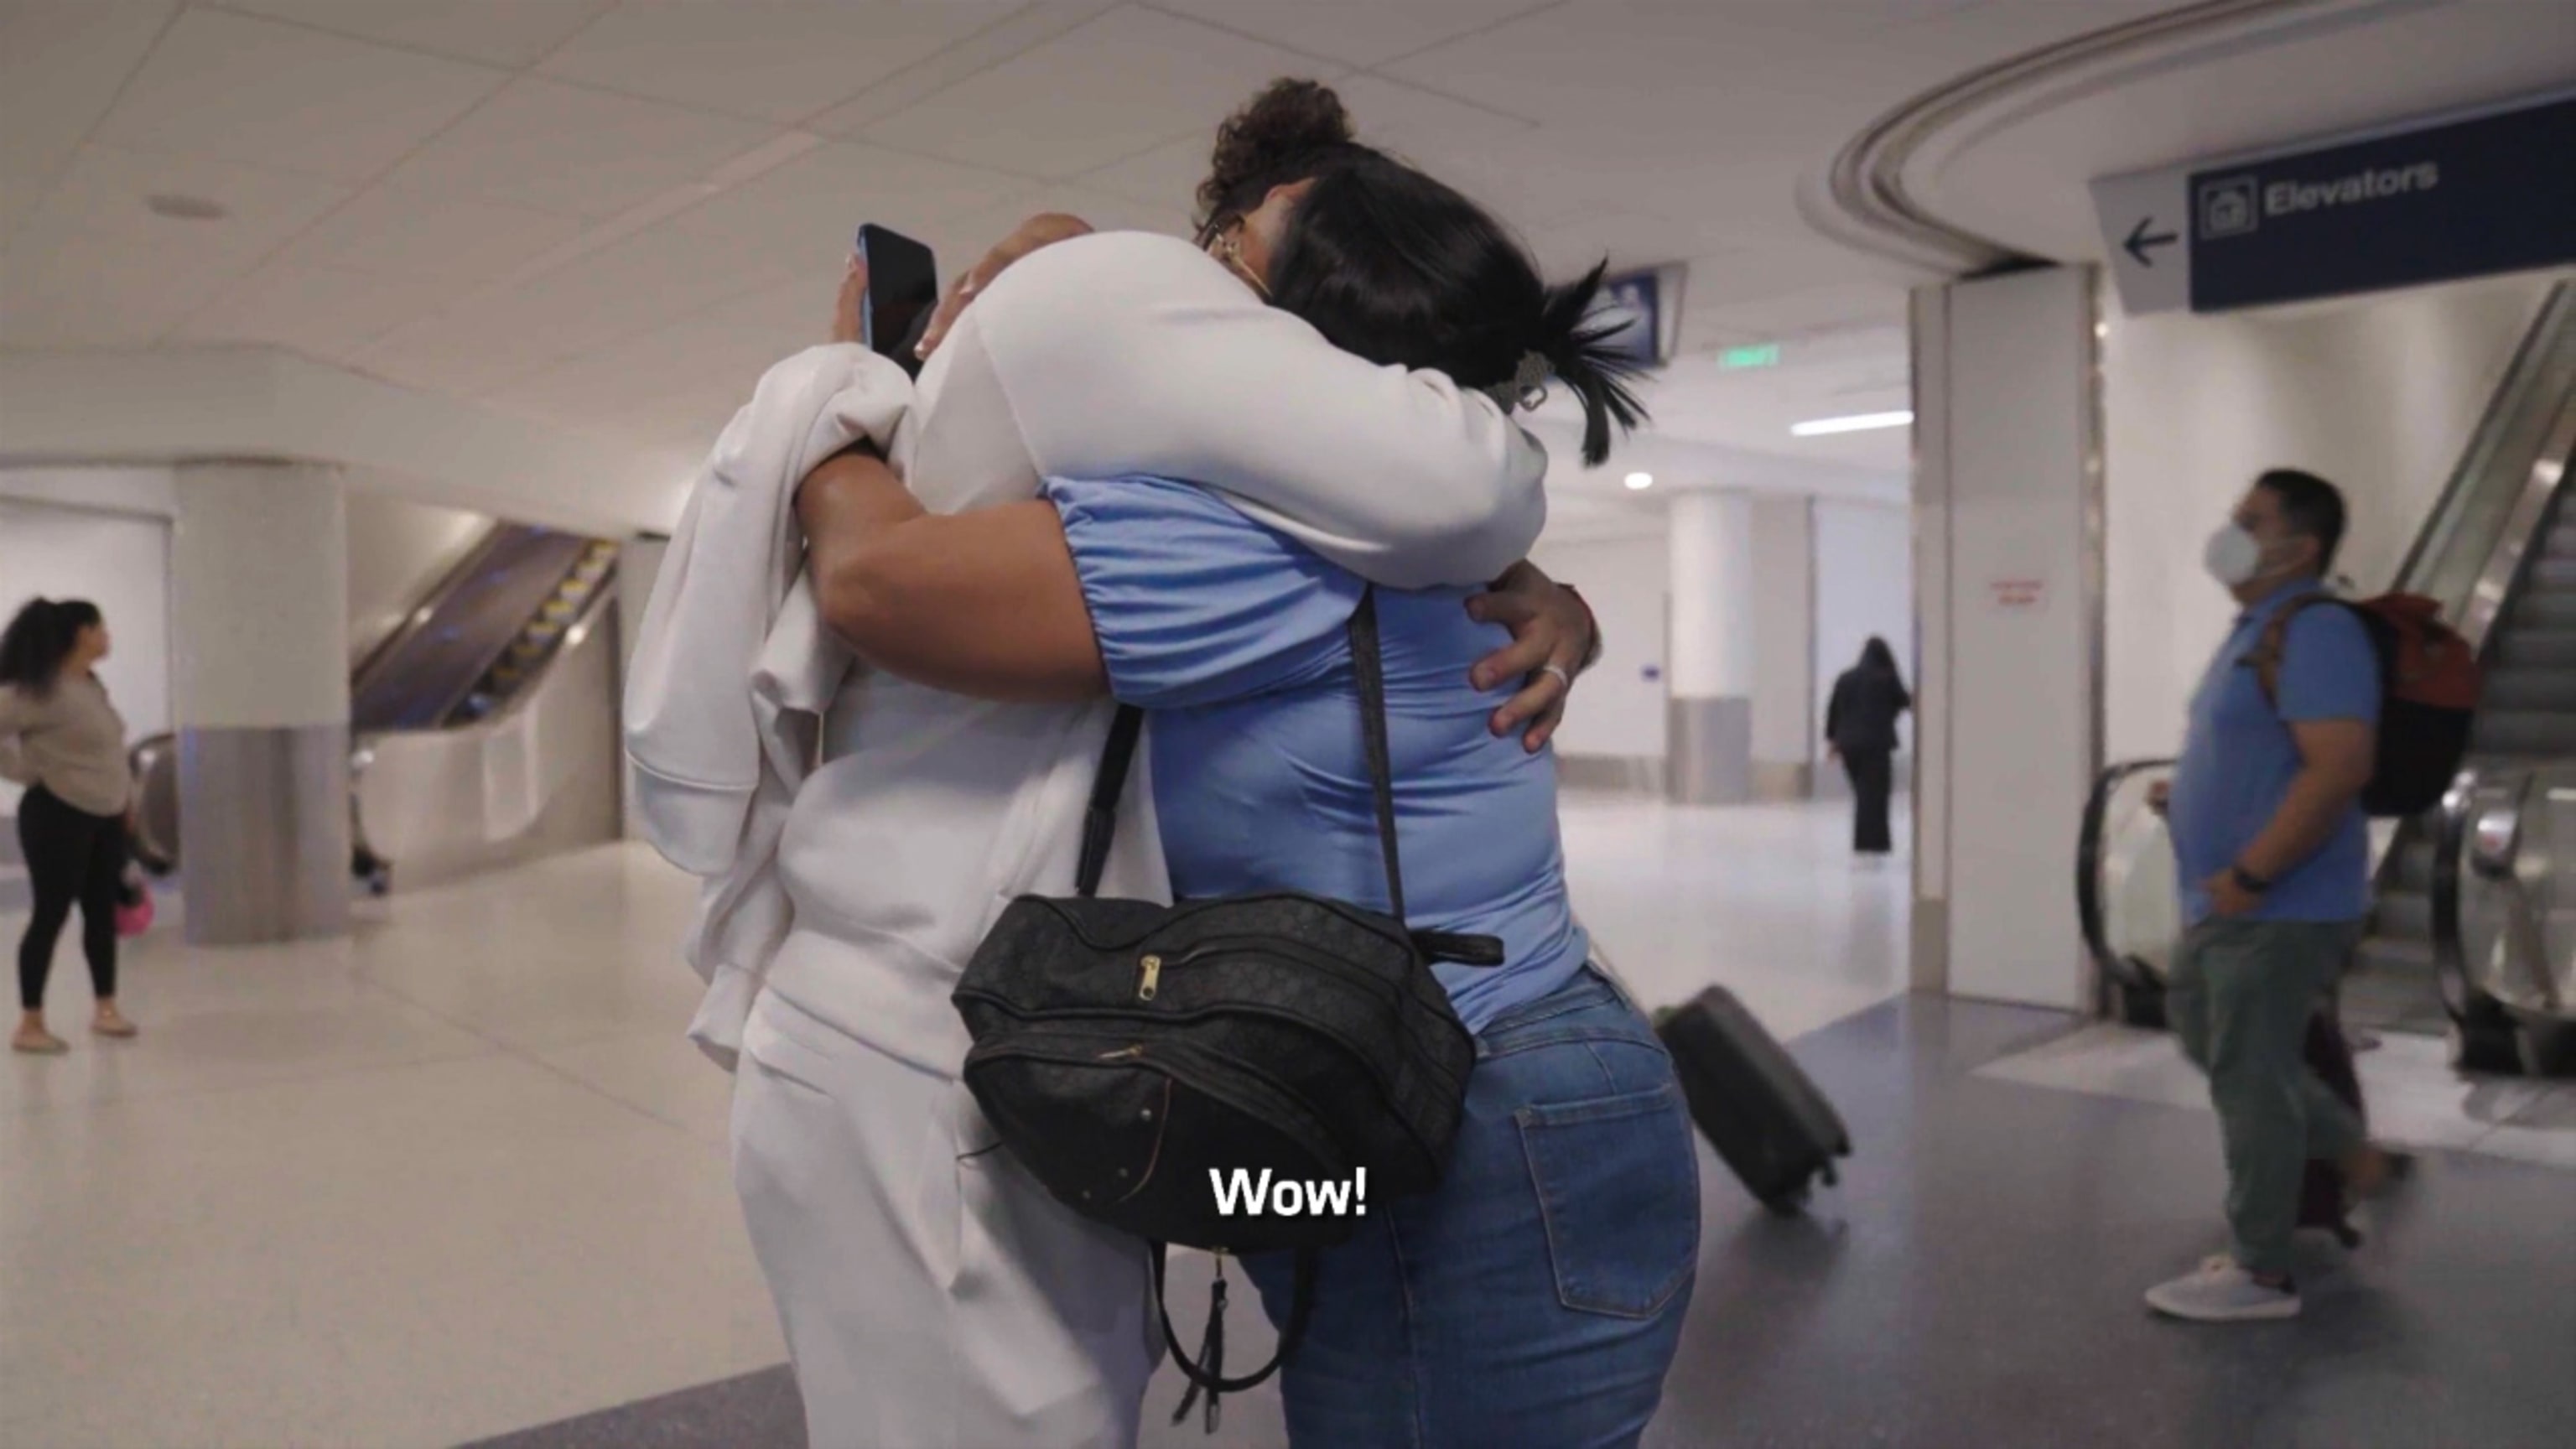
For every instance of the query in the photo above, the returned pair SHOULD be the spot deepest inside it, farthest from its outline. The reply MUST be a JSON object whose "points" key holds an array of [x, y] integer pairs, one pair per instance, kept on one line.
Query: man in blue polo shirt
{"points": [[2274, 855]]}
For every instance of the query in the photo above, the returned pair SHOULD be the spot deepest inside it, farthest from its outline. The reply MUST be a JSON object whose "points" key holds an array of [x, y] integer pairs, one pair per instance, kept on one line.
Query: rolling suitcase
{"points": [[1752, 1101]]}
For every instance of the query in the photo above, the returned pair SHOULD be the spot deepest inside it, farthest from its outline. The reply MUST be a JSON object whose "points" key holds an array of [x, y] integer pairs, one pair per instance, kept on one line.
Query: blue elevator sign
{"points": [[2466, 197]]}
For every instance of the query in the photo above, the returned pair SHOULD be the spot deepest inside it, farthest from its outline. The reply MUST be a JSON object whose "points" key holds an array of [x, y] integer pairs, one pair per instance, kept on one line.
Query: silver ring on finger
{"points": [[1561, 676]]}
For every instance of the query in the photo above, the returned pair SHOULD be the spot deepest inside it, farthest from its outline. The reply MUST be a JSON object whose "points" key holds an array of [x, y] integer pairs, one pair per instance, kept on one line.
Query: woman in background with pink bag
{"points": [[63, 740]]}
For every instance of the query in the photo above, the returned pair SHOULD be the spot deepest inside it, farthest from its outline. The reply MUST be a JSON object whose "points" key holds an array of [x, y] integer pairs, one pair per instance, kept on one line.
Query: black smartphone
{"points": [[903, 292]]}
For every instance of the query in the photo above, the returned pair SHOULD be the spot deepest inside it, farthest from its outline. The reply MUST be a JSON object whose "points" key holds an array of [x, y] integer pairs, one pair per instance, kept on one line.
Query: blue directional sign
{"points": [[2466, 195], [2470, 199]]}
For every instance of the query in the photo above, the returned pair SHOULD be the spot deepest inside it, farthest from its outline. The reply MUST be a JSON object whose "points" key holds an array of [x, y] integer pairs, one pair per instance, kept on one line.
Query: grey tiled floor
{"points": [[1975, 1282]]}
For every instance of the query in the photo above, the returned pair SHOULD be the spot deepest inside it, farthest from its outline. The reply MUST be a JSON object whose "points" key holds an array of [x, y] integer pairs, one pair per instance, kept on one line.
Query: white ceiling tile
{"points": [[1165, 176], [407, 234], [1791, 314], [92, 266], [1627, 238], [231, 88], [1124, 84], [1415, 123], [1698, 72], [775, 60], [1355, 32], [702, 365], [61, 65], [511, 33], [809, 210], [323, 312], [558, 148], [495, 339], [962, 241], [1837, 18], [1028, 28], [1972, 35]]}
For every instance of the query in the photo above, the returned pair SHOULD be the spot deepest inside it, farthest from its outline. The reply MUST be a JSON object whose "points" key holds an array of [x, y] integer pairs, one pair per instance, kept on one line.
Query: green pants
{"points": [[2240, 997]]}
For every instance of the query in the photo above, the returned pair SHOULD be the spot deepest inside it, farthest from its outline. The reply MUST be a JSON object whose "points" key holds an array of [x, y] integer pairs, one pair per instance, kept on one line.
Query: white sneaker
{"points": [[2222, 1292]]}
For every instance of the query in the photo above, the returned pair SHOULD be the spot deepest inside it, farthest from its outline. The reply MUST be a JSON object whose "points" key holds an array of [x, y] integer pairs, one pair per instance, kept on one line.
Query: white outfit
{"points": [[932, 1293]]}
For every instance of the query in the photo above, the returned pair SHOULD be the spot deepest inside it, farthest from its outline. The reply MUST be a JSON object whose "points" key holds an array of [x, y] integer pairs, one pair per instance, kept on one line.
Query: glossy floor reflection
{"points": [[460, 1174]]}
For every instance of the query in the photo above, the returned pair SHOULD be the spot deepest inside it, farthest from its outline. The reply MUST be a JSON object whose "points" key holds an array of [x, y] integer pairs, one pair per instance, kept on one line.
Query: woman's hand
{"points": [[1043, 230], [1552, 633]]}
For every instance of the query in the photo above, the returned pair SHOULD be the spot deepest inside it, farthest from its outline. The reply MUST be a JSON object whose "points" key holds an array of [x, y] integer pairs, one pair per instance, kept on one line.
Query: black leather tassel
{"points": [[1211, 1353]]}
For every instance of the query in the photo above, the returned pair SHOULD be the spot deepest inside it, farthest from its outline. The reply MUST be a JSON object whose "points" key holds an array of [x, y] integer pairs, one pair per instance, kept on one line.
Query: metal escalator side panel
{"points": [[2125, 900], [2517, 893]]}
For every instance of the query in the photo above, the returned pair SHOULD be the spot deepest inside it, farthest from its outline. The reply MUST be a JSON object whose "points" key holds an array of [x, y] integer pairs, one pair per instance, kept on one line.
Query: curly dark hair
{"points": [[1276, 138], [1398, 268]]}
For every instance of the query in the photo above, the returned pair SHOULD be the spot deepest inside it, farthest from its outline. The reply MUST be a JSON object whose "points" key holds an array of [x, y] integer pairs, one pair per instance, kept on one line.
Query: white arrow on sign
{"points": [[2143, 219]]}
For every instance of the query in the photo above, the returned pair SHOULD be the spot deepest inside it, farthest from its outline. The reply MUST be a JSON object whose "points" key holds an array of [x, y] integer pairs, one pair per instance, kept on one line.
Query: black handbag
{"points": [[1136, 1057]]}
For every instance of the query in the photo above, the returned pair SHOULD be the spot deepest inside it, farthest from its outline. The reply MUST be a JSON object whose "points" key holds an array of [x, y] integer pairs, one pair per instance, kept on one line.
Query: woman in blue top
{"points": [[1536, 1298]]}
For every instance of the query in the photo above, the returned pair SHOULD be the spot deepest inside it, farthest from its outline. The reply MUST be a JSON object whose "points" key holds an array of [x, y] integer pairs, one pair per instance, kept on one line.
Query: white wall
{"points": [[1619, 710], [118, 561], [398, 550], [2377, 396], [1864, 586], [1784, 617]]}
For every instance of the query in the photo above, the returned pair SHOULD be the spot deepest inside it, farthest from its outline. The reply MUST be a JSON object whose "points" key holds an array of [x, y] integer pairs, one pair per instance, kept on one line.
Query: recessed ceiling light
{"points": [[1640, 482], [186, 208], [1855, 423]]}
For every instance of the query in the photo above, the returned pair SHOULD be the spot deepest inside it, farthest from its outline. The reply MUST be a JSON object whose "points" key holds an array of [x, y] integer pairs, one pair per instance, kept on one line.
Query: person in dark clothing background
{"points": [[61, 738], [1860, 724]]}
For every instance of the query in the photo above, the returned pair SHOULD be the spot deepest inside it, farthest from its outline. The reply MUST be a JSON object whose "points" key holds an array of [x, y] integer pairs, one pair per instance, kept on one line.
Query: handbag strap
{"points": [[1118, 756], [1371, 668], [1100, 817]]}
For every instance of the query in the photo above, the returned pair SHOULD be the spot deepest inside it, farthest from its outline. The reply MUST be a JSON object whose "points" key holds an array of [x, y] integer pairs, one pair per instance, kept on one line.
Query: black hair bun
{"points": [[1288, 120]]}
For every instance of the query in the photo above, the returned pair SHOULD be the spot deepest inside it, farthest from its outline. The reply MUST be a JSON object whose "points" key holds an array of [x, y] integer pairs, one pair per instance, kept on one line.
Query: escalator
{"points": [[2481, 958], [480, 643], [486, 629]]}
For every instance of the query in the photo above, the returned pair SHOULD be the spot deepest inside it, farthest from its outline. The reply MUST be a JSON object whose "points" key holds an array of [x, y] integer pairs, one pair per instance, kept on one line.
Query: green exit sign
{"points": [[1766, 355]]}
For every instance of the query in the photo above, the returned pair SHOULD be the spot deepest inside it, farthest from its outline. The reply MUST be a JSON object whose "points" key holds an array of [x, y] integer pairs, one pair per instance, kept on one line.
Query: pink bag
{"points": [[134, 910]]}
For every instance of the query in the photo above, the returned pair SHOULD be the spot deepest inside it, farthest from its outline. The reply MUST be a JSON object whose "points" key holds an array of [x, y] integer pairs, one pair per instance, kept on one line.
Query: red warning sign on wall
{"points": [[2018, 595]]}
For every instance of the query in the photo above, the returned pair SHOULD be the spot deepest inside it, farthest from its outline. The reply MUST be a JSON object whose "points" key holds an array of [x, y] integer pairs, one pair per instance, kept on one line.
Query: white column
{"points": [[1709, 698], [1786, 577], [259, 564], [2009, 572]]}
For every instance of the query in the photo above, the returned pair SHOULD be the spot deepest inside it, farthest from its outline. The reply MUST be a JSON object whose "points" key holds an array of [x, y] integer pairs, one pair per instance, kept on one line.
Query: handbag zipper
{"points": [[1054, 1022], [1151, 981]]}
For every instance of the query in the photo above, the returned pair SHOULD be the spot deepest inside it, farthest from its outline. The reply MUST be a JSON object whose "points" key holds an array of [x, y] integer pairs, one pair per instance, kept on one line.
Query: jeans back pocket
{"points": [[1618, 1190]]}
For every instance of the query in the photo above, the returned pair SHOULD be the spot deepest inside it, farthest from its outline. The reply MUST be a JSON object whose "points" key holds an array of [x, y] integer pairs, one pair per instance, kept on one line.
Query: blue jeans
{"points": [[1537, 1297]]}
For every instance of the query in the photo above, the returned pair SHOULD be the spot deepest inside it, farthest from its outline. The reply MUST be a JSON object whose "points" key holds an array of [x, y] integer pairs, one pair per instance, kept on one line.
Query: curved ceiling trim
{"points": [[1866, 201]]}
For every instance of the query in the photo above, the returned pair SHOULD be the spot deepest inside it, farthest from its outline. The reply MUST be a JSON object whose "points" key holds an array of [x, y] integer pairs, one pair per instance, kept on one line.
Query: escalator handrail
{"points": [[2509, 409], [501, 651], [2450, 841], [2088, 874], [426, 608]]}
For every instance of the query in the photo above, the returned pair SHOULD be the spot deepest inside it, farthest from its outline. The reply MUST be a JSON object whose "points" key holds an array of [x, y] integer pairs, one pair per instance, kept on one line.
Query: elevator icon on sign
{"points": [[2228, 208]]}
